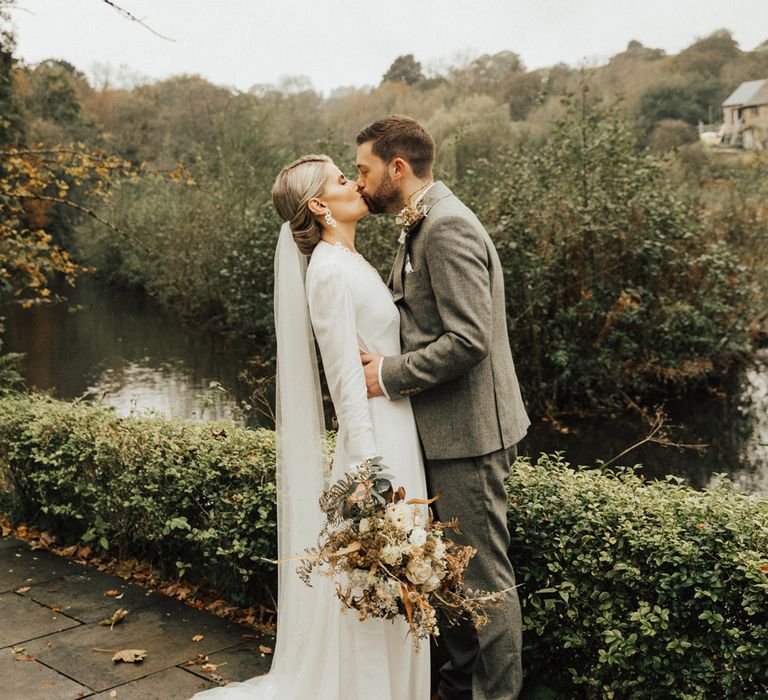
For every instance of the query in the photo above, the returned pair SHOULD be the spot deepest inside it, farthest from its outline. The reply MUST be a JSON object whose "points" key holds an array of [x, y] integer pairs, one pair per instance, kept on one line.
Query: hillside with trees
{"points": [[620, 234]]}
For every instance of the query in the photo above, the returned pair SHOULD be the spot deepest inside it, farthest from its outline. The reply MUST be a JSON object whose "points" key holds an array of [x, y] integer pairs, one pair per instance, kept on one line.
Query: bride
{"points": [[321, 651]]}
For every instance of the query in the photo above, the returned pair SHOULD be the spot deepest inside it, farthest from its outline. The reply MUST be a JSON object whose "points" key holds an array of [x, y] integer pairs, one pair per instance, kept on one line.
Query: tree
{"points": [[707, 56], [614, 281], [54, 92], [404, 69], [687, 98], [11, 125]]}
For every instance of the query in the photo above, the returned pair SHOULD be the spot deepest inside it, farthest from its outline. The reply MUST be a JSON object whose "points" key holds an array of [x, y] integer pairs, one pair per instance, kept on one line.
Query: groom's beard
{"points": [[386, 199]]}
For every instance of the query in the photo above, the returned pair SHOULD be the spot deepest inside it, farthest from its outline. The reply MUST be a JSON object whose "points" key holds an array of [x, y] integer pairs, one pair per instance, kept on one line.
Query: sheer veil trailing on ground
{"points": [[304, 614]]}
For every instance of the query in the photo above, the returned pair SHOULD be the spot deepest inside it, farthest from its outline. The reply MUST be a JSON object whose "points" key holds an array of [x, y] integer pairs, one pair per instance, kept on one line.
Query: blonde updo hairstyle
{"points": [[297, 183]]}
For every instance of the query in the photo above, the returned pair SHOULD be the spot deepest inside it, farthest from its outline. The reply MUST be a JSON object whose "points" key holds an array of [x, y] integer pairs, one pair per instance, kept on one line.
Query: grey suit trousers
{"points": [[483, 664]]}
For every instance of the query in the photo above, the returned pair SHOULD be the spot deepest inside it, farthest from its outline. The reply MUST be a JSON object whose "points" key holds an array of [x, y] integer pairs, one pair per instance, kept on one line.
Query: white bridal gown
{"points": [[352, 310]]}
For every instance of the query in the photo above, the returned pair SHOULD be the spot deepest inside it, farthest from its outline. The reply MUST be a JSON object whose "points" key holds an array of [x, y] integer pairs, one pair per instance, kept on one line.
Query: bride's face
{"points": [[341, 196]]}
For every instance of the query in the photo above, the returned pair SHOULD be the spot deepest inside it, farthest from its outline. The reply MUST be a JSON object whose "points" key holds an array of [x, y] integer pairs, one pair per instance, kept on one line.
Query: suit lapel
{"points": [[395, 282]]}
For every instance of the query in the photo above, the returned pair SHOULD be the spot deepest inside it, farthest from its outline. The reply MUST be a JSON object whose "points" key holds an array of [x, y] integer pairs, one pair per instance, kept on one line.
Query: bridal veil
{"points": [[307, 617]]}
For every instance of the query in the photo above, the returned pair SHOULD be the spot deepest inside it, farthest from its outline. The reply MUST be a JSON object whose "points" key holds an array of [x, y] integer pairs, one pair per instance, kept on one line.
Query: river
{"points": [[121, 348]]}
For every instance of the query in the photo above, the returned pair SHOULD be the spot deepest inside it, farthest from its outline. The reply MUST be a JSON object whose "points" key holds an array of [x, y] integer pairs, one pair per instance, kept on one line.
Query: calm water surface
{"points": [[120, 348]]}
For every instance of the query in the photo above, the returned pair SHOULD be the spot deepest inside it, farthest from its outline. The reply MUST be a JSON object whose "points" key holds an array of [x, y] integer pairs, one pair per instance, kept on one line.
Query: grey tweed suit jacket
{"points": [[456, 363]]}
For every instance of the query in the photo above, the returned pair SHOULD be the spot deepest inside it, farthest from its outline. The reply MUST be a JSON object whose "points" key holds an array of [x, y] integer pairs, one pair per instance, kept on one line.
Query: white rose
{"points": [[439, 549], [391, 554], [432, 583], [400, 515], [418, 537], [365, 525], [418, 571]]}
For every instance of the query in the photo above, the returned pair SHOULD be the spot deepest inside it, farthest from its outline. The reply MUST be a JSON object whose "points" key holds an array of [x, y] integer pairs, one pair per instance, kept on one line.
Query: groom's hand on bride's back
{"points": [[371, 368]]}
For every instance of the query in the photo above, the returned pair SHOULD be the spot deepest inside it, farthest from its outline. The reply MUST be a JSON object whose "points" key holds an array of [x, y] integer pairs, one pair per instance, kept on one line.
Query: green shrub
{"points": [[616, 283], [197, 497], [629, 589], [640, 590], [10, 368]]}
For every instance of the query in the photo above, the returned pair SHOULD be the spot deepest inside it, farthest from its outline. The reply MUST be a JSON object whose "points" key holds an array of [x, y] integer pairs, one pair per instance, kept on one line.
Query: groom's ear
{"points": [[400, 166]]}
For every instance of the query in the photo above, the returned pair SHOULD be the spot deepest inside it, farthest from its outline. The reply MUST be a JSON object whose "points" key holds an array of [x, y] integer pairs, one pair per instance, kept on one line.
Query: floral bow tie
{"points": [[408, 217]]}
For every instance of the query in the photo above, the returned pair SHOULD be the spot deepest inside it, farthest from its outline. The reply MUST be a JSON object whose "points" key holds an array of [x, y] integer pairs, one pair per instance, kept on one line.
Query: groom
{"points": [[457, 367]]}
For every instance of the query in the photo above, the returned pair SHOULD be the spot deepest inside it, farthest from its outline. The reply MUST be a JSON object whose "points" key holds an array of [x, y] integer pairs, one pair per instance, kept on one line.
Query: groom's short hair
{"points": [[398, 136]]}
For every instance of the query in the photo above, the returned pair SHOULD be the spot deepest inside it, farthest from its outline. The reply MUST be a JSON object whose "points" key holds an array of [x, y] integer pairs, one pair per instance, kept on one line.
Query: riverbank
{"points": [[624, 583], [128, 353]]}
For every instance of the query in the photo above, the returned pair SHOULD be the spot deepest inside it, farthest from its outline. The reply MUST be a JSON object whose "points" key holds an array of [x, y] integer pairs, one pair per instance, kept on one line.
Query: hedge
{"points": [[629, 589], [194, 498]]}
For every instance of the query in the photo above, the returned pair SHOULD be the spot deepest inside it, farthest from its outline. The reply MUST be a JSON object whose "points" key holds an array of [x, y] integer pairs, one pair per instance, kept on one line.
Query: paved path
{"points": [[50, 609]]}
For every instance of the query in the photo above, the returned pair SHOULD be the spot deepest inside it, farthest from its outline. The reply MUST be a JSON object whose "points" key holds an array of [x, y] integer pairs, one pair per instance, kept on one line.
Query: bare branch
{"points": [[52, 152], [84, 210], [657, 433], [133, 18]]}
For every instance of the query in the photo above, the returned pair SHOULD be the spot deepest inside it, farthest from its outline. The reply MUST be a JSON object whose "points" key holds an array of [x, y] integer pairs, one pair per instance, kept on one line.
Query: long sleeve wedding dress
{"points": [[341, 657]]}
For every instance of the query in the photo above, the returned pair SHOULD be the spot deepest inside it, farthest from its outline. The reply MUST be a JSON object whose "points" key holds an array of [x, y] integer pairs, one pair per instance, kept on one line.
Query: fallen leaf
{"points": [[211, 668], [198, 638], [113, 594], [23, 589], [69, 551], [130, 656], [118, 616], [47, 685], [18, 650], [26, 657], [764, 568], [249, 636], [265, 650], [113, 694]]}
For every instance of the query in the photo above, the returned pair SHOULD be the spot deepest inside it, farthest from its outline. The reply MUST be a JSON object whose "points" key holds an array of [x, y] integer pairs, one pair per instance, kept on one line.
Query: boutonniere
{"points": [[408, 217]]}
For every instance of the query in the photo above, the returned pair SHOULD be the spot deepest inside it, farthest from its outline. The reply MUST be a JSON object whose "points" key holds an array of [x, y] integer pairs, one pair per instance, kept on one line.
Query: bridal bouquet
{"points": [[392, 556]]}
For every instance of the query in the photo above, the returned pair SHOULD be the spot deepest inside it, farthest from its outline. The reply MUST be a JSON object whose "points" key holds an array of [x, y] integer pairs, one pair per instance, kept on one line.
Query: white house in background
{"points": [[745, 115]]}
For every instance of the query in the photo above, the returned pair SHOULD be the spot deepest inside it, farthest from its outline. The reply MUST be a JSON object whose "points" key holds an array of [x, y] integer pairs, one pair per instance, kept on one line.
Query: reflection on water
{"points": [[123, 350], [752, 464], [734, 428]]}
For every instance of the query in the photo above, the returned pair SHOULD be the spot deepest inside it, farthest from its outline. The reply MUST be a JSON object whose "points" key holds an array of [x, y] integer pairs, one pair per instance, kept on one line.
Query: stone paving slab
{"points": [[164, 630], [21, 566], [63, 664], [82, 595], [240, 663], [171, 684], [22, 620], [28, 680]]}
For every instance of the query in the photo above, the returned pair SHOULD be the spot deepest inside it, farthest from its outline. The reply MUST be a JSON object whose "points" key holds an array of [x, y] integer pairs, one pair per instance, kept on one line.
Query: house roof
{"points": [[753, 92]]}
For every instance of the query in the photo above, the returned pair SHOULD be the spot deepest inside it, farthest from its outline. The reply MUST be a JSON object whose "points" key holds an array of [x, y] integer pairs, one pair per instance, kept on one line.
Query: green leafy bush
{"points": [[10, 368], [640, 590], [197, 497], [629, 589], [616, 281]]}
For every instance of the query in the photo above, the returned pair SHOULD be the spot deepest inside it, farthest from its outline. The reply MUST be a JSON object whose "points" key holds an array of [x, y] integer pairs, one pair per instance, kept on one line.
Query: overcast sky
{"points": [[240, 43]]}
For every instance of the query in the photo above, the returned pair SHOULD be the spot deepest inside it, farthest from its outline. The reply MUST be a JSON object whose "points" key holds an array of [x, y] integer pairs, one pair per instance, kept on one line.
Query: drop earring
{"points": [[329, 219]]}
